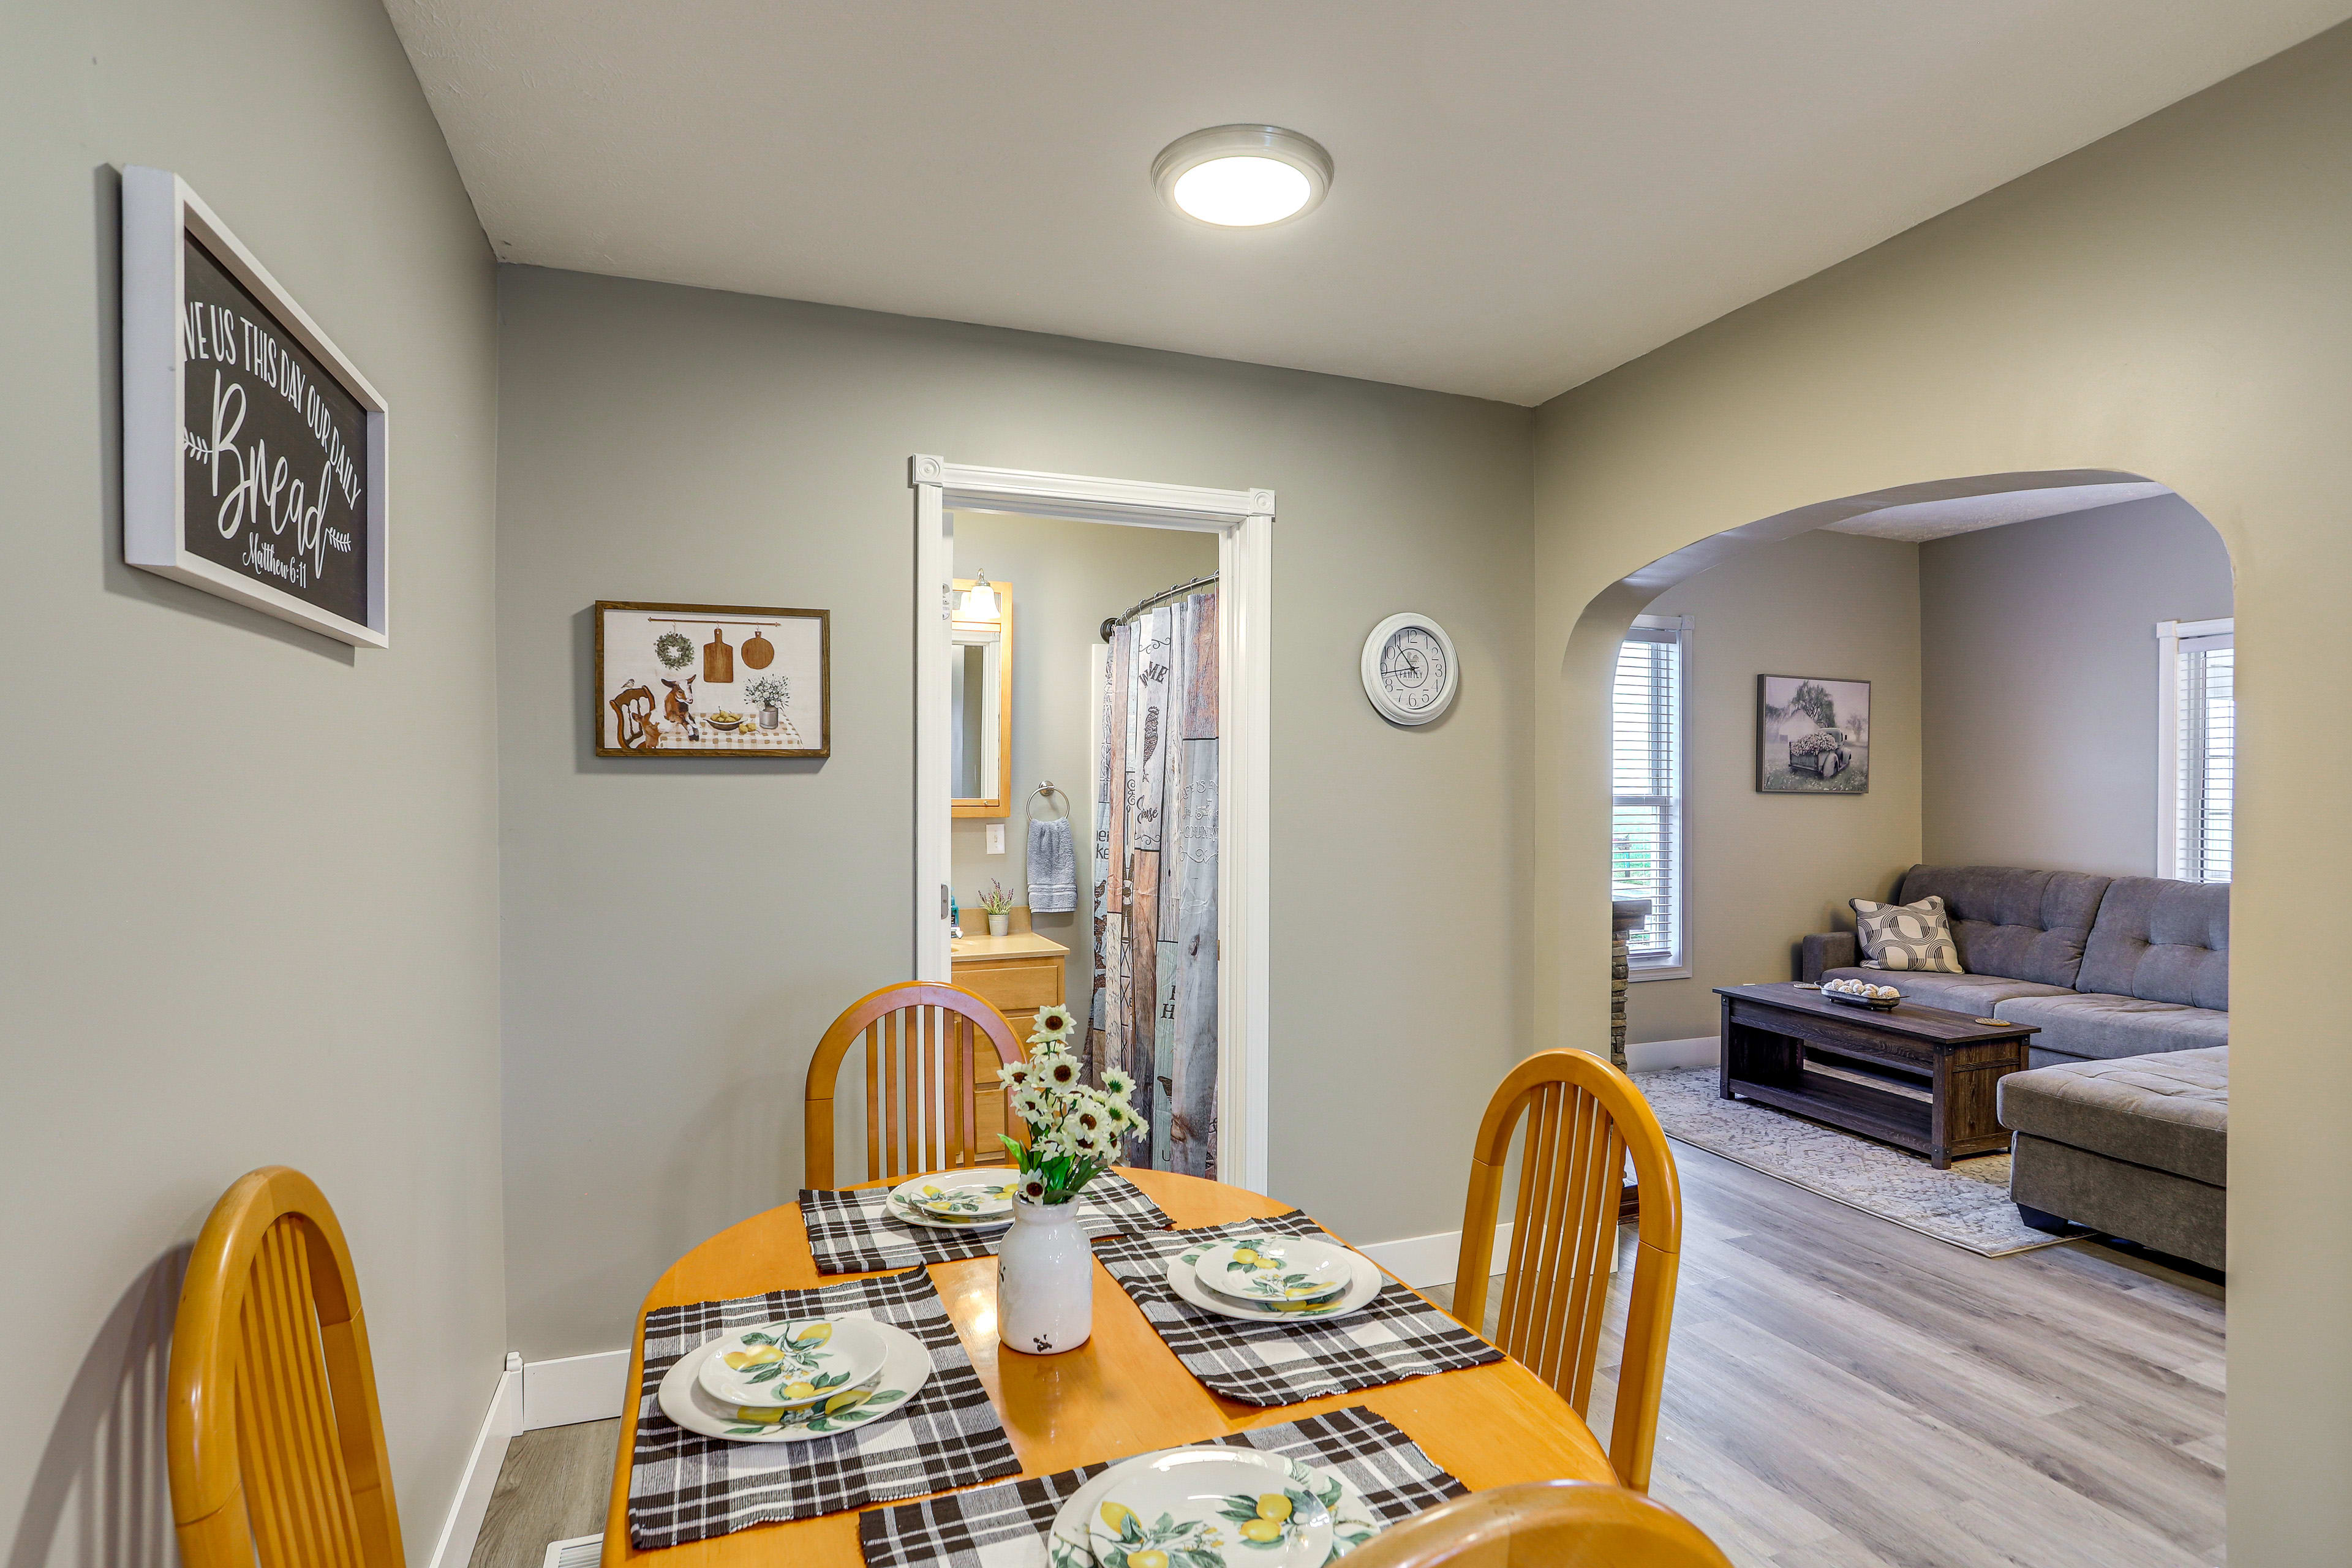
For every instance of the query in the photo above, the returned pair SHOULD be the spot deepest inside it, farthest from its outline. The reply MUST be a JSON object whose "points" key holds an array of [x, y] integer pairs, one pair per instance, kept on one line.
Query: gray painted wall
{"points": [[1066, 577], [2040, 675], [253, 915], [679, 932], [1767, 869]]}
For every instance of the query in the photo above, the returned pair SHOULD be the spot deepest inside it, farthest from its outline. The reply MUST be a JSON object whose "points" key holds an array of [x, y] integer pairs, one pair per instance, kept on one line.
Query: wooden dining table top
{"points": [[1123, 1391]]}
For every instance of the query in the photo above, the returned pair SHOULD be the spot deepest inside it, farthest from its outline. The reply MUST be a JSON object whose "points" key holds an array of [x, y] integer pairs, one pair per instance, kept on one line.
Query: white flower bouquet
{"points": [[1074, 1128]]}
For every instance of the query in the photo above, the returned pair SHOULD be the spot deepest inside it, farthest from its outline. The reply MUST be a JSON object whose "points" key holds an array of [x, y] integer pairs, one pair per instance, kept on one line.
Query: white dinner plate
{"points": [[1352, 1522], [796, 1362], [1276, 1269], [906, 1197], [906, 1367], [1221, 1502], [1187, 1285]]}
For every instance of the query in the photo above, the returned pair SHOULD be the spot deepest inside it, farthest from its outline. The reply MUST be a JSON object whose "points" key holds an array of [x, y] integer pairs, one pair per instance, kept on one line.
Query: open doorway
{"points": [[1090, 770], [2014, 700]]}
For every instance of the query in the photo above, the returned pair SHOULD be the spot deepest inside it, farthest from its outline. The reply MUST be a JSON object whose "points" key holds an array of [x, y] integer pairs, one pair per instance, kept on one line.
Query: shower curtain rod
{"points": [[1151, 599]]}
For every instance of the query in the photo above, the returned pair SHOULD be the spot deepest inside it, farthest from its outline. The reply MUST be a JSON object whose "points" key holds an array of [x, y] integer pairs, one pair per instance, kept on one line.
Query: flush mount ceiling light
{"points": [[1243, 176]]}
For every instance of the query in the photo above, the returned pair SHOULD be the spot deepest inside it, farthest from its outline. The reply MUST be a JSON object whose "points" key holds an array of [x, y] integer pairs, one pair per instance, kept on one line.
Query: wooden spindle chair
{"points": [[924, 1064], [1583, 1118], [1544, 1524], [275, 1441]]}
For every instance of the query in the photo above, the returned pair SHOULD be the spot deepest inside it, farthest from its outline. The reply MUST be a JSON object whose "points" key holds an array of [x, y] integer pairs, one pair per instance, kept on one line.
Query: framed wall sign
{"points": [[713, 681], [253, 450]]}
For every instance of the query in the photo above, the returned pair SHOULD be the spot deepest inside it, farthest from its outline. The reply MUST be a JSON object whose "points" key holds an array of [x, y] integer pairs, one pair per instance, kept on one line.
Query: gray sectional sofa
{"points": [[2107, 966], [2122, 1124]]}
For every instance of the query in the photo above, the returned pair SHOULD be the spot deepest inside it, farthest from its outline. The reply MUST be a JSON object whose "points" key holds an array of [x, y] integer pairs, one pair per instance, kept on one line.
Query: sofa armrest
{"points": [[1825, 951]]}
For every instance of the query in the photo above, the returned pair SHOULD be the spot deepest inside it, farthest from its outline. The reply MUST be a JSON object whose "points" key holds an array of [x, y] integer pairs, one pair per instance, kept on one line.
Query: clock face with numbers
{"points": [[1410, 672]]}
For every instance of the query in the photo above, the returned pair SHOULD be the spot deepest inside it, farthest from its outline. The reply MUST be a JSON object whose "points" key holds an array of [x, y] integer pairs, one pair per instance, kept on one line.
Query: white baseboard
{"points": [[500, 1423], [1703, 1052], [572, 1389], [1425, 1260]]}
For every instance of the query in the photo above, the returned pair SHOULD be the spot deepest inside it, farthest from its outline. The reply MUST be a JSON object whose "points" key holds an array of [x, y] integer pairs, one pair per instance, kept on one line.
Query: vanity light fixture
{"points": [[980, 600], [1243, 176]]}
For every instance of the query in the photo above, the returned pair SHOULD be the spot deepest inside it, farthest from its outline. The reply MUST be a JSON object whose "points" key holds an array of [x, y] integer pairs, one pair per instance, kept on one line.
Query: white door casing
{"points": [[1244, 523]]}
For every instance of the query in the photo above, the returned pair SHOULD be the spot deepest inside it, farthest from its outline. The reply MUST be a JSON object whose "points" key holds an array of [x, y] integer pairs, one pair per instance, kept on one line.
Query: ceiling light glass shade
{"points": [[1243, 176], [979, 602]]}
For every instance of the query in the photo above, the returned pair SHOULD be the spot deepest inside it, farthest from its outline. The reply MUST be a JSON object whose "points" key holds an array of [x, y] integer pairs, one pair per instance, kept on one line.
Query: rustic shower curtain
{"points": [[1155, 991]]}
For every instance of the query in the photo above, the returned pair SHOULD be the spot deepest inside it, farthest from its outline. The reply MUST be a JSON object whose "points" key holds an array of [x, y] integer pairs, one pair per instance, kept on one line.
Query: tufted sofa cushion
{"points": [[2160, 941], [2098, 1026], [2169, 1112], [2019, 924]]}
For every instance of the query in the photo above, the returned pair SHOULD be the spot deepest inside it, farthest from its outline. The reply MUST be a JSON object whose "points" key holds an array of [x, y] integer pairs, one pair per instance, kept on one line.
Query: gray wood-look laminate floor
{"points": [[1840, 1393]]}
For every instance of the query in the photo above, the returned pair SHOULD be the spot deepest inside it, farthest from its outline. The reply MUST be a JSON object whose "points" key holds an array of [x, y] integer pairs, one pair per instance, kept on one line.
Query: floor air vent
{"points": [[580, 1551]]}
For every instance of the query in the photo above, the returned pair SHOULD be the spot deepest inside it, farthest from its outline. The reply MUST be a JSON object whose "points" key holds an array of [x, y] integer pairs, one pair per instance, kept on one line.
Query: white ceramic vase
{"points": [[999, 924], [1045, 1281]]}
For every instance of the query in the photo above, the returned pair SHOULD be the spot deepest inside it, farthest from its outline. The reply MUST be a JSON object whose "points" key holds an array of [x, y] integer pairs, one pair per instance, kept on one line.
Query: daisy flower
{"points": [[1052, 1023], [1116, 1084], [1058, 1070], [1013, 1075]]}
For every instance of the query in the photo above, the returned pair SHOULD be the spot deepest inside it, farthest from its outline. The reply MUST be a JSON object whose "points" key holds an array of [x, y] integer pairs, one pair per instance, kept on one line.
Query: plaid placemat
{"points": [[686, 1487], [1006, 1526], [854, 1232], [1396, 1336]]}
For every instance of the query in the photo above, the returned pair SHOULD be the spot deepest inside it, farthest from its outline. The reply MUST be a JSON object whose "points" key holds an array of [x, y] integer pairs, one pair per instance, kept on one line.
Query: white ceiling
{"points": [[1922, 520], [1527, 192]]}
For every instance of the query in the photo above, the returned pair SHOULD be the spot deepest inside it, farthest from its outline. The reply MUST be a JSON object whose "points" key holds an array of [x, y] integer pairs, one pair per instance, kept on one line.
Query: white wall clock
{"points": [[1409, 672]]}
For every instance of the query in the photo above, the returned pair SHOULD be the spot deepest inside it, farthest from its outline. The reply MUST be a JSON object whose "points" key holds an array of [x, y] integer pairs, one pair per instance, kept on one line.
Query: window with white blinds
{"points": [[2201, 713], [1646, 841]]}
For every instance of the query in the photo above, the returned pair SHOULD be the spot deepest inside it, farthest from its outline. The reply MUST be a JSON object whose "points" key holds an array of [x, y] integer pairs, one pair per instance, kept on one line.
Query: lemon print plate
{"points": [[1276, 1269], [793, 1364], [1184, 1279], [955, 1200], [906, 1366], [1211, 1507]]}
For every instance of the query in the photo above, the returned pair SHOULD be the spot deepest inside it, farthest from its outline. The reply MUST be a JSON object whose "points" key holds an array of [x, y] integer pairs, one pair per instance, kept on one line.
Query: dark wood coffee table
{"points": [[1778, 1038]]}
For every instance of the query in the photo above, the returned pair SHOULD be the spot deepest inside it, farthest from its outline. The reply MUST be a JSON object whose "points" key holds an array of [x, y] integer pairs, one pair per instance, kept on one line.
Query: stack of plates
{"points": [[956, 1200], [787, 1382], [1275, 1279], [1188, 1506]]}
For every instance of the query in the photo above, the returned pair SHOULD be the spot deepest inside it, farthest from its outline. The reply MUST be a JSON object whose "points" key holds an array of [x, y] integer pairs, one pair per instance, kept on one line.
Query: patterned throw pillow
{"points": [[1907, 936]]}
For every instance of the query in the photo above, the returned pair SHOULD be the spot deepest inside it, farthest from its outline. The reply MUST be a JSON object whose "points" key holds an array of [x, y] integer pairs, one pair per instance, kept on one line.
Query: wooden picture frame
{"points": [[1813, 735], [286, 442], [660, 691]]}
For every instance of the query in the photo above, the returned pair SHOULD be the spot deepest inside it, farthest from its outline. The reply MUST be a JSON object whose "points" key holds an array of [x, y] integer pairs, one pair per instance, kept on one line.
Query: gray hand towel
{"points": [[1052, 869]]}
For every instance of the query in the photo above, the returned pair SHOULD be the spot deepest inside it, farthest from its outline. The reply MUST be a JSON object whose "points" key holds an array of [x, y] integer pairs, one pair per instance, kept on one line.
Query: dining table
{"points": [[1121, 1393]]}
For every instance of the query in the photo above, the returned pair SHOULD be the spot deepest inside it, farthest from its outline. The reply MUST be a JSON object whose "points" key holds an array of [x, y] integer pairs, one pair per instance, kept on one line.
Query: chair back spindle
{"points": [[925, 1046], [1583, 1119], [274, 1440]]}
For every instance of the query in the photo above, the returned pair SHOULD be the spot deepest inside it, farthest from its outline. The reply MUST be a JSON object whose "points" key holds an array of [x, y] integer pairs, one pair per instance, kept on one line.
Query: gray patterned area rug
{"points": [[1967, 1206]]}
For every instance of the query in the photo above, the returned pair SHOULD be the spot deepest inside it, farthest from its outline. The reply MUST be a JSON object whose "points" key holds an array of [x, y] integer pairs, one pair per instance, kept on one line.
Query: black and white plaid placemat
{"points": [[1396, 1336], [1006, 1526], [854, 1232], [686, 1487]]}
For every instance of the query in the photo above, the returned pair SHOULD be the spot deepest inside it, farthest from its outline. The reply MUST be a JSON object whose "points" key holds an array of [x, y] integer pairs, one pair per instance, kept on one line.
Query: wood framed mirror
{"points": [[980, 706]]}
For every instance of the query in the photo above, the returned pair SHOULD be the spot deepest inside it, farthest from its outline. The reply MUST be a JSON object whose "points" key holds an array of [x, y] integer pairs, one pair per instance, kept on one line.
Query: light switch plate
{"points": [[996, 839]]}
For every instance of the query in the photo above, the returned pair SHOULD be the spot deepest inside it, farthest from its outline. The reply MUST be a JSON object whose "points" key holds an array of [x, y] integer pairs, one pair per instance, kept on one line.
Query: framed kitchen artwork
{"points": [[713, 681], [1813, 735]]}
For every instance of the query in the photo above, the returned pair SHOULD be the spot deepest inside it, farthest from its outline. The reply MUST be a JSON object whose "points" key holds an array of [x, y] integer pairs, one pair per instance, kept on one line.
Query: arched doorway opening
{"points": [[1812, 593]]}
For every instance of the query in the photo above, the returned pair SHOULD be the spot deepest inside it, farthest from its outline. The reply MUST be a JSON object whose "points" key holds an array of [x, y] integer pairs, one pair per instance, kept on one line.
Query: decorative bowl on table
{"points": [[1862, 994], [723, 720]]}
